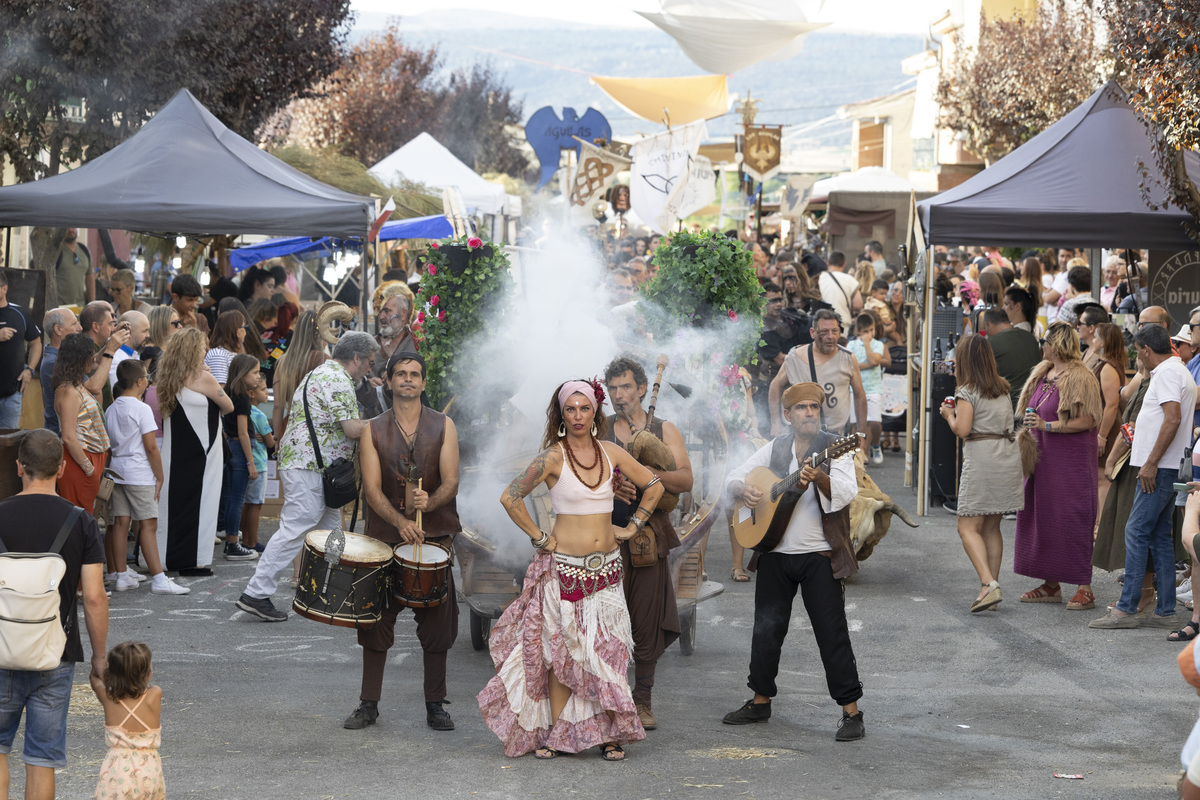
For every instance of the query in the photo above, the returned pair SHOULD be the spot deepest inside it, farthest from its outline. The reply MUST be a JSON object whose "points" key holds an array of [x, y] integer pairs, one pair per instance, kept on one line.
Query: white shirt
{"points": [[804, 533], [127, 419], [1170, 382], [218, 359], [1059, 285], [828, 282]]}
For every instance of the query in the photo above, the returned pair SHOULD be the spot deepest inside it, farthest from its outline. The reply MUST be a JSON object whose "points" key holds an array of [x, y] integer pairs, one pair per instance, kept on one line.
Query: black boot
{"points": [[437, 717], [366, 714]]}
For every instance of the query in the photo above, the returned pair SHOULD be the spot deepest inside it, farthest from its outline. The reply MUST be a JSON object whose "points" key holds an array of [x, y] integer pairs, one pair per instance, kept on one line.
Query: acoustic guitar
{"points": [[752, 526]]}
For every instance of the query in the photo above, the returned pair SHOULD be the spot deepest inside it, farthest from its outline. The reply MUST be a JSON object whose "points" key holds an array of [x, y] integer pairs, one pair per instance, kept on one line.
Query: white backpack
{"points": [[32, 635]]}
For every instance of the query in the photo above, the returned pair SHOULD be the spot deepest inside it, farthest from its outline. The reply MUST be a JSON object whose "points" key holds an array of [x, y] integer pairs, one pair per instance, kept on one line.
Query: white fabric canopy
{"points": [[425, 160], [724, 36], [867, 179]]}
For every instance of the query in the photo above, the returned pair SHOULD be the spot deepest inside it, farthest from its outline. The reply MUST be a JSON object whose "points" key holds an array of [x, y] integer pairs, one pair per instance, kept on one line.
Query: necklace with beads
{"points": [[576, 466]]}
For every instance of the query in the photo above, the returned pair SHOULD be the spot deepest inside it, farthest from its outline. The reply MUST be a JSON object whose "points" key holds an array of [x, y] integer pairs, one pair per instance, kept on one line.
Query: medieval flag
{"points": [[597, 169], [762, 146], [661, 167], [796, 195]]}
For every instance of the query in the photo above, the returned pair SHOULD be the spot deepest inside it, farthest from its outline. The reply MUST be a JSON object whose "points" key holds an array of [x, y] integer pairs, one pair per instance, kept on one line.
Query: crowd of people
{"points": [[166, 400]]}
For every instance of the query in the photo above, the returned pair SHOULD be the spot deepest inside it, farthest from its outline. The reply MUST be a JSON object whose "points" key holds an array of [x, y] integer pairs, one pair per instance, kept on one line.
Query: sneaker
{"points": [[750, 712], [1011, 516], [437, 717], [646, 716], [876, 455], [168, 586], [110, 577], [850, 727], [951, 507], [261, 607], [125, 582], [366, 714], [259, 548], [137, 576], [235, 552]]}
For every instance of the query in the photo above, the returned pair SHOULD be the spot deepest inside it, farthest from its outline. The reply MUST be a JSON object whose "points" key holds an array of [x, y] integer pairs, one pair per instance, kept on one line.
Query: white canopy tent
{"points": [[867, 179], [425, 160]]}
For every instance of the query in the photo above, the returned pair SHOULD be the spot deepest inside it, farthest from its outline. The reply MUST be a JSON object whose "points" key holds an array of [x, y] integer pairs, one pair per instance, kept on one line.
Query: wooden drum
{"points": [[351, 594], [421, 574]]}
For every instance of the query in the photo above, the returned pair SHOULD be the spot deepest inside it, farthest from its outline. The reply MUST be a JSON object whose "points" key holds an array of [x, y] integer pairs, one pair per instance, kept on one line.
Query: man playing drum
{"points": [[407, 443], [649, 593]]}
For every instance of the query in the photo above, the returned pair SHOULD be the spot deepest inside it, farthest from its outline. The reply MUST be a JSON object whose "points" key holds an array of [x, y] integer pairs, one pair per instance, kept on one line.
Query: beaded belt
{"points": [[583, 576]]}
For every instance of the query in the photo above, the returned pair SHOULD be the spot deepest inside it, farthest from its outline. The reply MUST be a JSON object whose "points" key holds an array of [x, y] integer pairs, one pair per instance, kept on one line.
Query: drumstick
{"points": [[419, 481]]}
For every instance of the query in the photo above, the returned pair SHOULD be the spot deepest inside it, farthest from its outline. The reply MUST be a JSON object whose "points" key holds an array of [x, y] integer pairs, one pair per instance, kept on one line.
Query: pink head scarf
{"points": [[572, 387]]}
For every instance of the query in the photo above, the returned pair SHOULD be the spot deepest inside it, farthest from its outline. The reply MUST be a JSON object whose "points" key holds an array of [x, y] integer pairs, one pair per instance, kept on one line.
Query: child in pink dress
{"points": [[132, 770]]}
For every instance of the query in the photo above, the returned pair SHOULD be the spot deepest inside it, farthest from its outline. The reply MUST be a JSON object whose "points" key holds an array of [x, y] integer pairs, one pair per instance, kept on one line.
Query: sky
{"points": [[878, 16]]}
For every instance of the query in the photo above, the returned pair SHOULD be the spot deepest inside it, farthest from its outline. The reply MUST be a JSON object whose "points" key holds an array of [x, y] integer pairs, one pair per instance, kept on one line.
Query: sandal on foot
{"points": [[989, 600], [1186, 633], [739, 575], [612, 752], [545, 753], [1043, 594], [1082, 601]]}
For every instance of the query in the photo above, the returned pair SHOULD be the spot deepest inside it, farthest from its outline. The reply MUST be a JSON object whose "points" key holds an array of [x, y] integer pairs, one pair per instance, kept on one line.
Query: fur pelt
{"points": [[1078, 392]]}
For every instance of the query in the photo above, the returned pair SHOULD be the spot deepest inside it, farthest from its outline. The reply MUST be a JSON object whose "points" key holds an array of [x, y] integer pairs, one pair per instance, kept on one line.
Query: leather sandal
{"points": [[1082, 600], [612, 752], [1185, 634], [739, 575], [545, 753], [1043, 594]]}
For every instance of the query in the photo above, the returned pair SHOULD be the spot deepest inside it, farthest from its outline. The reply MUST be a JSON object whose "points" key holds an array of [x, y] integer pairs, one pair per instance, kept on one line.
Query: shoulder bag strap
{"points": [[849, 305], [67, 526], [812, 366], [312, 433]]}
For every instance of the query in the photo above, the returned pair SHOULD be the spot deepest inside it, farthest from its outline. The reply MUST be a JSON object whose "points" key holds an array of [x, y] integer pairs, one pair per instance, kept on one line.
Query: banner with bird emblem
{"points": [[661, 167], [761, 150]]}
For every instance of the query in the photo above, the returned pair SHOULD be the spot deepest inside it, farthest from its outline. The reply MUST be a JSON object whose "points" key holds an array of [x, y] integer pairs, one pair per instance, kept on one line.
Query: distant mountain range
{"points": [[547, 62]]}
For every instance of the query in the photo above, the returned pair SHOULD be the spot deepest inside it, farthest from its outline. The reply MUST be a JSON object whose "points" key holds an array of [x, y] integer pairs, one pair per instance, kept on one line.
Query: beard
{"points": [[70, 238], [391, 330]]}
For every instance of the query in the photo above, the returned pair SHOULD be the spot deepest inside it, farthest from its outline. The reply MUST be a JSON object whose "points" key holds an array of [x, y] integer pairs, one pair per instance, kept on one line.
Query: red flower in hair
{"points": [[598, 387]]}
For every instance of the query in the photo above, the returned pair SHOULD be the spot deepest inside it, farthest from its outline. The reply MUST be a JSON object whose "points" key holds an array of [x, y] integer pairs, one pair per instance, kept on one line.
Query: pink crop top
{"points": [[570, 496]]}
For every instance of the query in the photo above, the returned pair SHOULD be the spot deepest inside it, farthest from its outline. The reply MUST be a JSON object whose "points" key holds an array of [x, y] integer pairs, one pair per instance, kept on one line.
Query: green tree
{"points": [[1158, 42], [1022, 77]]}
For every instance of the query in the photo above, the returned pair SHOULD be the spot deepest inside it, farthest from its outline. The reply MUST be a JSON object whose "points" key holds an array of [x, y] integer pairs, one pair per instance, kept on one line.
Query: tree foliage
{"points": [[1021, 77], [1158, 42], [387, 92]]}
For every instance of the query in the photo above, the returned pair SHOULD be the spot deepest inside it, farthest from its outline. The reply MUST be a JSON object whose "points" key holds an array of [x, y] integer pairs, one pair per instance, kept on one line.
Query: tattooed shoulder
{"points": [[532, 475]]}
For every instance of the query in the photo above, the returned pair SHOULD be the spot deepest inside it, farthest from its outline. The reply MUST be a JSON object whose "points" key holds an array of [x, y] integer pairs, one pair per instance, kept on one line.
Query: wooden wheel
{"points": [[480, 628]]}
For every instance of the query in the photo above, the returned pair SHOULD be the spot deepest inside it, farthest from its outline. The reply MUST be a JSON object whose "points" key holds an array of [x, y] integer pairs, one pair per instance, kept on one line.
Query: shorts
{"points": [[129, 500], [256, 490], [45, 698], [875, 408]]}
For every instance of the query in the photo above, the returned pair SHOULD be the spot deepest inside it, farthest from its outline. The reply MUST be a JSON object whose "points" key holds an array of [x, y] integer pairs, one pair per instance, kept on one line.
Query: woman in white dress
{"points": [[191, 402]]}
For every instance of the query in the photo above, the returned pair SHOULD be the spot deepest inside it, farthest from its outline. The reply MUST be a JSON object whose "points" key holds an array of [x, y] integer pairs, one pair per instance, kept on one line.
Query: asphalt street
{"points": [[957, 705]]}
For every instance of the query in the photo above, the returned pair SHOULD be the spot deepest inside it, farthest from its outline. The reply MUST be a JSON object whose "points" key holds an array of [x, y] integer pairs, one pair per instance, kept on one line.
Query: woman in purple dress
{"points": [[1062, 407]]}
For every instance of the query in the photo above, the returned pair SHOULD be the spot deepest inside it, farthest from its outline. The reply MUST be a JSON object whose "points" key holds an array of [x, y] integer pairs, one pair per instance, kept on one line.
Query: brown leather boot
{"points": [[646, 716]]}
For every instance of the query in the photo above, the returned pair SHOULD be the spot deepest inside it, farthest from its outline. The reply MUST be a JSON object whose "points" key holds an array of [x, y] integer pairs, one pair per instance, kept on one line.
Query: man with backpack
{"points": [[55, 548]]}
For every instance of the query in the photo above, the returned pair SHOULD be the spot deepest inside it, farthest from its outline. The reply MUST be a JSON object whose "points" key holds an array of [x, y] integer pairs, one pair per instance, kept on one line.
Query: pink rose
{"points": [[474, 242], [420, 316], [433, 301], [441, 316], [434, 245], [433, 267], [733, 315]]}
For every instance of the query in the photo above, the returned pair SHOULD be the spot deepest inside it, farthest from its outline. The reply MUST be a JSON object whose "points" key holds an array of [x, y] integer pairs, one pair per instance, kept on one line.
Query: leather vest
{"points": [[835, 526], [395, 459], [667, 538]]}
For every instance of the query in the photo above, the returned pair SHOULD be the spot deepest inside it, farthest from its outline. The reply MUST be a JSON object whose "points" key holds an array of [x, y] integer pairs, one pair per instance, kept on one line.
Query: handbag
{"points": [[643, 547], [105, 490], [338, 480]]}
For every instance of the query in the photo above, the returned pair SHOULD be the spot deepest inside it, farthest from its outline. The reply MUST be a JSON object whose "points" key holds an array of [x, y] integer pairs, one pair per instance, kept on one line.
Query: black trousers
{"points": [[779, 576]]}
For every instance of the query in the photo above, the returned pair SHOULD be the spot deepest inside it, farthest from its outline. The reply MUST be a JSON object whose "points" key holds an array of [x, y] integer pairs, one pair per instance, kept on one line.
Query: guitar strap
{"points": [[787, 504]]}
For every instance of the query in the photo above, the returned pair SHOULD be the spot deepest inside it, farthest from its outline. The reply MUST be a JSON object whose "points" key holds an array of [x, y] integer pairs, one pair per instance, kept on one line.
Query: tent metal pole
{"points": [[926, 371]]}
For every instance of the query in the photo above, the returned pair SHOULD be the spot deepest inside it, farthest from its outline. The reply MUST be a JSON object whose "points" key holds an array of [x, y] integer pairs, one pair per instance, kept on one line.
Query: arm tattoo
{"points": [[524, 483]]}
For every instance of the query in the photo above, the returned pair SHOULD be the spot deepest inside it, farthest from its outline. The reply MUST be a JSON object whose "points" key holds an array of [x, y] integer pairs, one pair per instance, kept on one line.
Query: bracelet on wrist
{"points": [[638, 524], [538, 544]]}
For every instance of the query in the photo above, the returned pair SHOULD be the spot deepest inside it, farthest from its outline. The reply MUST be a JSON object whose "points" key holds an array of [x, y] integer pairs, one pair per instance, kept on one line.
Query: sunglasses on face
{"points": [[176, 323]]}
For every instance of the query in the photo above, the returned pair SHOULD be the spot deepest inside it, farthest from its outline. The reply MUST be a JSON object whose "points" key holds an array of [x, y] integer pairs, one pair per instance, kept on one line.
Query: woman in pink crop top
{"points": [[572, 595]]}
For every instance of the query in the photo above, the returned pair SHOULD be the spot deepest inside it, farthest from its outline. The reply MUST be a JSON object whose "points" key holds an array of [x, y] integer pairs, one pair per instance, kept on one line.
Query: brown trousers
{"points": [[653, 611], [437, 628]]}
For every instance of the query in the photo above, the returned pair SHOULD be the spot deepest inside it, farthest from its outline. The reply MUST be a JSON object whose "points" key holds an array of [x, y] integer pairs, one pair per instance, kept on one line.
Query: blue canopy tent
{"points": [[433, 227]]}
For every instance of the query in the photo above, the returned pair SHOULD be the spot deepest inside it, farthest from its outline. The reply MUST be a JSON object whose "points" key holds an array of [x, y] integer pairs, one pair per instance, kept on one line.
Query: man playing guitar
{"points": [[813, 555]]}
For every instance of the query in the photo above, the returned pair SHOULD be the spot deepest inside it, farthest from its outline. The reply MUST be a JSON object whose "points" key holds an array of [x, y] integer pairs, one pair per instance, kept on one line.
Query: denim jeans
{"points": [[45, 698], [1149, 531], [237, 476], [10, 410]]}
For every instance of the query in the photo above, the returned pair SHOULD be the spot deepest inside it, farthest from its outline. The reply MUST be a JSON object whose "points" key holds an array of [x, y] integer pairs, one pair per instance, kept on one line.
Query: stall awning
{"points": [[434, 227], [676, 101]]}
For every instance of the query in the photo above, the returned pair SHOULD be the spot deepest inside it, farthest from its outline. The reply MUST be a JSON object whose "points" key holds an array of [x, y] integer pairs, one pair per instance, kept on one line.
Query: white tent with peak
{"points": [[426, 160]]}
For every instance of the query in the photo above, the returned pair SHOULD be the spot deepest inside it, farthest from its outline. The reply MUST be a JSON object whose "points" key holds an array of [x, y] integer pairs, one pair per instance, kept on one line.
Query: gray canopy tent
{"points": [[186, 173], [1076, 184]]}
